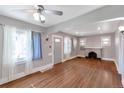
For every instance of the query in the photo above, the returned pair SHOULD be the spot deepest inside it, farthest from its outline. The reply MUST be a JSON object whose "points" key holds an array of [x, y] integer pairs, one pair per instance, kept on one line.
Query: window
{"points": [[20, 45], [67, 45], [82, 42], [17, 45], [106, 41], [57, 40], [36, 45]]}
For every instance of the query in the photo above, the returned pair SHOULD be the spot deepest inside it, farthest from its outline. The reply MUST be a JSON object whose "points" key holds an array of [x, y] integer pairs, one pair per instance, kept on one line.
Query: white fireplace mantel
{"points": [[93, 47], [97, 50]]}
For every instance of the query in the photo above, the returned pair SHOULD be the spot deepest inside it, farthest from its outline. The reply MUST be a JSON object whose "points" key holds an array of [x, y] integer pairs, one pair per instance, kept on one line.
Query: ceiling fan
{"points": [[39, 12]]}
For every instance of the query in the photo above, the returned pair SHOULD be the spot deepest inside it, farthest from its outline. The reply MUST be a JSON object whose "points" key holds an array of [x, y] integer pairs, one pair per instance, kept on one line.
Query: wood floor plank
{"points": [[75, 73]]}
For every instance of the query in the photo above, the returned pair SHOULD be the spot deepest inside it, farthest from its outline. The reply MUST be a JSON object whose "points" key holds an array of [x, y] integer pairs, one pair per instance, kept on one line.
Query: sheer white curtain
{"points": [[13, 52], [67, 46], [121, 59], [8, 52], [29, 52], [1, 51]]}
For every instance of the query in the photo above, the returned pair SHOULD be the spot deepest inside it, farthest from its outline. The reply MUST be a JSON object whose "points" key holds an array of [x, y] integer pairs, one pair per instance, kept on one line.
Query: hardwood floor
{"points": [[75, 73]]}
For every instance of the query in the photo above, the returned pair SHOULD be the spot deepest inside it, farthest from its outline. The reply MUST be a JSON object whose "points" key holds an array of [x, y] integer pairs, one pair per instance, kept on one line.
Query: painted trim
{"points": [[69, 58], [117, 67], [109, 59], [6, 80], [47, 67], [41, 69], [94, 47], [122, 81], [80, 55], [62, 55]]}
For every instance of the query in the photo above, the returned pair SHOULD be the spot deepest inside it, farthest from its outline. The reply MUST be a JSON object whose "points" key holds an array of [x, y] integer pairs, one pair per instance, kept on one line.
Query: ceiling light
{"points": [[77, 32], [42, 18], [121, 28], [36, 6], [99, 28], [39, 17], [106, 43], [36, 16], [106, 39]]}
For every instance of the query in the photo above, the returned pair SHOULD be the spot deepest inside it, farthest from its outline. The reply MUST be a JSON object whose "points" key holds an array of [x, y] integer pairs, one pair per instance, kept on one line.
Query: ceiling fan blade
{"points": [[53, 12], [26, 10], [41, 6]]}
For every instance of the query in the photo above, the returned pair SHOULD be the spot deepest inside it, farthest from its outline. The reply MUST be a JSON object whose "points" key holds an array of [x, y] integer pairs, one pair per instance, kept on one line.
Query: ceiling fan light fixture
{"points": [[121, 28], [36, 6], [36, 16], [99, 28], [42, 18]]}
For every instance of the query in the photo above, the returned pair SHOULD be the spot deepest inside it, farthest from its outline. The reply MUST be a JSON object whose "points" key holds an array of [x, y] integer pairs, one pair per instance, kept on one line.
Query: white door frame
{"points": [[53, 36]]}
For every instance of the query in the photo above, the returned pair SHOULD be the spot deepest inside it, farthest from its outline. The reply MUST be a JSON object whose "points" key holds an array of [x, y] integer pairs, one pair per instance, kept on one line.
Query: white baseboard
{"points": [[80, 56], [108, 59], [46, 67], [117, 67], [68, 58], [41, 69], [122, 81]]}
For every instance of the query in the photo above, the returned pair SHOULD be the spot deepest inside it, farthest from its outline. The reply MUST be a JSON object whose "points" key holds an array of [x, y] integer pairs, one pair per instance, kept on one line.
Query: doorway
{"points": [[57, 49]]}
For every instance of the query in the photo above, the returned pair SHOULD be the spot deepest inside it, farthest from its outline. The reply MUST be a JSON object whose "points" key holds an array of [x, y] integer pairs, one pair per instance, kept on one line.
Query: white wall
{"points": [[32, 27], [74, 51], [119, 46], [78, 23], [36, 66], [95, 41], [20, 24]]}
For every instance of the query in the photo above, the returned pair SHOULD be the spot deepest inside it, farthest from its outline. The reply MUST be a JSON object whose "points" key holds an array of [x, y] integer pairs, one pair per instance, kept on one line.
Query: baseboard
{"points": [[2, 81], [41, 69], [108, 59], [69, 58], [46, 67], [117, 67], [80, 56], [122, 81]]}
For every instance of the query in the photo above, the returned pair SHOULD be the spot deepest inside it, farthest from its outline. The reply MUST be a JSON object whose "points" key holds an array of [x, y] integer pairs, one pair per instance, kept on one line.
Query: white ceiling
{"points": [[69, 12], [76, 27], [94, 28]]}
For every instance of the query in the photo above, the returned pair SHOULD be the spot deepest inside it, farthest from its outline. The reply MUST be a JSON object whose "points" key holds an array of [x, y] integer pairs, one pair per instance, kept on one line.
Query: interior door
{"points": [[57, 50]]}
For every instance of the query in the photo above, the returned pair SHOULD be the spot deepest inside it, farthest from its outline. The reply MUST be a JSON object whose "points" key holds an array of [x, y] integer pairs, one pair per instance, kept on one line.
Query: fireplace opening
{"points": [[92, 55]]}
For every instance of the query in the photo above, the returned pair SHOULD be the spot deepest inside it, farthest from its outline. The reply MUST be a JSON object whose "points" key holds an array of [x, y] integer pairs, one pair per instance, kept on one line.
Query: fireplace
{"points": [[92, 54]]}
